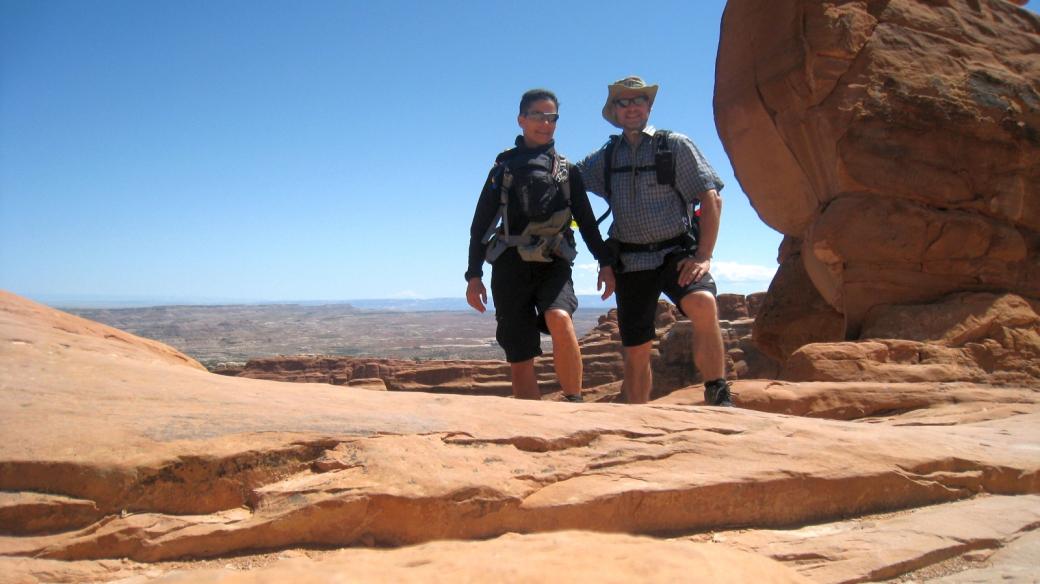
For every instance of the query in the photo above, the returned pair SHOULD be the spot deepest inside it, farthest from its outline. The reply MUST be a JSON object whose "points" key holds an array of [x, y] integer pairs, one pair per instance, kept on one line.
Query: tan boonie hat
{"points": [[621, 86]]}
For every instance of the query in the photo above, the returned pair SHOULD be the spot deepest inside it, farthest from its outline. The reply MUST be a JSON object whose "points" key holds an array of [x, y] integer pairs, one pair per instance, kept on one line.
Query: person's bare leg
{"points": [[708, 350], [638, 379], [566, 354], [525, 384]]}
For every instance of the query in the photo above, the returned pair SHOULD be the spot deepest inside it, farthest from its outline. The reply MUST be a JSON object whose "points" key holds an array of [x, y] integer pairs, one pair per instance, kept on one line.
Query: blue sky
{"points": [[308, 150]]}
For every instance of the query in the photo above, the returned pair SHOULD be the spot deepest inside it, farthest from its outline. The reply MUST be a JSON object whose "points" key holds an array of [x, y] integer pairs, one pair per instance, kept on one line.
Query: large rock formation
{"points": [[116, 460], [896, 144], [979, 337]]}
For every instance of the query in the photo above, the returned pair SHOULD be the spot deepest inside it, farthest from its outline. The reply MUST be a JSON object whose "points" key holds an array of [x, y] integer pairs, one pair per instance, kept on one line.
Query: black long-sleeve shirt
{"points": [[489, 202]]}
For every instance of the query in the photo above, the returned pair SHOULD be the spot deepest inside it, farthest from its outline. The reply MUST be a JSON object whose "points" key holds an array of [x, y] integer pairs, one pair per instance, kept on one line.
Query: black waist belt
{"points": [[676, 241]]}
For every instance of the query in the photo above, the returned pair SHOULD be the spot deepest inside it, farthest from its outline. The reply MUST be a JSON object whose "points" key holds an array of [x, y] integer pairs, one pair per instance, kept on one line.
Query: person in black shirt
{"points": [[531, 274]]}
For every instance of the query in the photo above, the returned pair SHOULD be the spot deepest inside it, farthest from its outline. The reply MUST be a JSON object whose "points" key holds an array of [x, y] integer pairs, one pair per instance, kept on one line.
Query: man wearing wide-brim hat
{"points": [[654, 180]]}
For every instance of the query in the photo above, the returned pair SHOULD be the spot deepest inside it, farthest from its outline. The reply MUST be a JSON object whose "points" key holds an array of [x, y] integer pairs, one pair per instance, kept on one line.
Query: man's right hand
{"points": [[606, 280], [476, 294]]}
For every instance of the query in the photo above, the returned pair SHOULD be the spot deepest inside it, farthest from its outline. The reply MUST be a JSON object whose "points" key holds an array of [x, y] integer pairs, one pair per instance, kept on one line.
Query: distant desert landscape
{"points": [[235, 334]]}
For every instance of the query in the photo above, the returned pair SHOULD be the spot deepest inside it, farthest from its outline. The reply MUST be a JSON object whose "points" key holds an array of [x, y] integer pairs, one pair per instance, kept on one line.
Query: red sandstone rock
{"points": [[888, 547], [732, 306], [42, 327], [521, 559], [960, 319], [754, 303], [983, 338], [951, 403], [794, 314], [897, 144], [31, 513], [177, 461]]}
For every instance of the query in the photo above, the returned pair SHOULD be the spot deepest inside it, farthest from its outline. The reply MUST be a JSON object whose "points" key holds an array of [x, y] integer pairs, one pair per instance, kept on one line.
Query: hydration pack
{"points": [[664, 167], [538, 182]]}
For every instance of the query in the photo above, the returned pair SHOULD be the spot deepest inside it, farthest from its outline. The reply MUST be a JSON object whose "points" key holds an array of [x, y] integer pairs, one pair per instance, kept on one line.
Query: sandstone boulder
{"points": [[983, 338], [793, 314], [732, 306], [895, 142], [754, 303]]}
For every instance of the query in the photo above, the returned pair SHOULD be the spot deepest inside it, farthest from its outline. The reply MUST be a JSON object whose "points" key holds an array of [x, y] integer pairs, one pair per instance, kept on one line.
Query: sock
{"points": [[717, 384]]}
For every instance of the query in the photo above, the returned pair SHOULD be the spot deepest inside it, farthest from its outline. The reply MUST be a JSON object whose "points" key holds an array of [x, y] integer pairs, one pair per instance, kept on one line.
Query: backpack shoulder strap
{"points": [[660, 144], [608, 164], [501, 182], [661, 137], [562, 175], [608, 172], [505, 155], [499, 167]]}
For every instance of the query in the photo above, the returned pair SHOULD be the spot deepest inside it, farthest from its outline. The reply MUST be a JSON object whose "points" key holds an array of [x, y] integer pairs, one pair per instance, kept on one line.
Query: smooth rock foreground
{"points": [[112, 449]]}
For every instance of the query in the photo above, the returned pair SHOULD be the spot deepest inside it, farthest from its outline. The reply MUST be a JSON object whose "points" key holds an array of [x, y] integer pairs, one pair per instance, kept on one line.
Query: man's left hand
{"points": [[692, 269]]}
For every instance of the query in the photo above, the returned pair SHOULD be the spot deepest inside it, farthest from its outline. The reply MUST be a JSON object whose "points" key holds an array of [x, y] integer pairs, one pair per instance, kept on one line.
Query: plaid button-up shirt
{"points": [[644, 211]]}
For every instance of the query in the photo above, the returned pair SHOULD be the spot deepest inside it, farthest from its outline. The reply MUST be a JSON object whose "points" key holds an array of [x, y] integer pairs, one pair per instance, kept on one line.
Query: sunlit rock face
{"points": [[118, 455], [978, 337], [895, 143]]}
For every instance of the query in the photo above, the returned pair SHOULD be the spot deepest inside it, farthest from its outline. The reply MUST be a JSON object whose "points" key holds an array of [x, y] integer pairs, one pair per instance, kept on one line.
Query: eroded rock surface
{"points": [[170, 461], [916, 404], [896, 143], [883, 548], [980, 337], [563, 557]]}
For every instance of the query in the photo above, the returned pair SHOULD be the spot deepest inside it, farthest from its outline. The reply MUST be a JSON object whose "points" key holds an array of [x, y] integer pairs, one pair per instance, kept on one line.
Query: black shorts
{"points": [[637, 294], [523, 292]]}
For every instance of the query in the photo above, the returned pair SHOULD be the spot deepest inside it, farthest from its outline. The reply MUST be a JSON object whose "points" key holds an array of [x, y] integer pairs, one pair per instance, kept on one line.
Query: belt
{"points": [[676, 241]]}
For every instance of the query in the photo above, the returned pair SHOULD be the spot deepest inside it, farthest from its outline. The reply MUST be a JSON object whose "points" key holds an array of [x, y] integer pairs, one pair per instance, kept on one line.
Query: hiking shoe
{"points": [[574, 398], [717, 393]]}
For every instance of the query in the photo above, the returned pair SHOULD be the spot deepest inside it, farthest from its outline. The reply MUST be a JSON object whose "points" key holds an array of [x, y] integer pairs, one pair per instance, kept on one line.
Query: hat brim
{"points": [[613, 91]]}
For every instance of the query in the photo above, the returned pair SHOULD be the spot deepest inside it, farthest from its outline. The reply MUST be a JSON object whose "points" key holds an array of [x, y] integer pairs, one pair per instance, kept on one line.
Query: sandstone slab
{"points": [[1018, 561], [897, 403], [562, 557], [880, 549], [179, 462], [35, 571]]}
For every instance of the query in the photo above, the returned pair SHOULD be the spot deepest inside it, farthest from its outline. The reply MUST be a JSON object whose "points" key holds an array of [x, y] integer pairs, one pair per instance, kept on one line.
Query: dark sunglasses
{"points": [[539, 116], [627, 101]]}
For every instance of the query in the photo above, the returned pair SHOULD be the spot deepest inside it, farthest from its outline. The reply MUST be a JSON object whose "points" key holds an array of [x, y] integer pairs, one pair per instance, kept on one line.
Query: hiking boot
{"points": [[717, 393], [574, 398]]}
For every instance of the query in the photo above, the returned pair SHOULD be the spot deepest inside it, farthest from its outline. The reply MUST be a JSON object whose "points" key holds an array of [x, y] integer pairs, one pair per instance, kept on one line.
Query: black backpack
{"points": [[537, 182], [541, 183]]}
